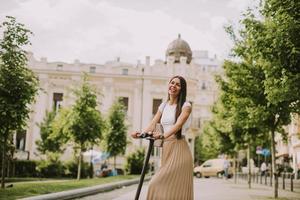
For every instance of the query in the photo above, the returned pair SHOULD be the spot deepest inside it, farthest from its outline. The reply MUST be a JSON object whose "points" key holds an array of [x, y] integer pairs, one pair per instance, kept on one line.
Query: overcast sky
{"points": [[96, 31]]}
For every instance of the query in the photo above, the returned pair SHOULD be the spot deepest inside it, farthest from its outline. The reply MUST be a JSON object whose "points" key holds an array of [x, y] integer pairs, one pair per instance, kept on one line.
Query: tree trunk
{"points": [[79, 165], [3, 166], [274, 171], [3, 161], [91, 167], [8, 168], [114, 162], [91, 170], [13, 168], [235, 168], [249, 166]]}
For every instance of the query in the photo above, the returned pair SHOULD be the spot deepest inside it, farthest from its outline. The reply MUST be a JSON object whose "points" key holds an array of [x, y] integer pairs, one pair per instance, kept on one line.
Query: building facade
{"points": [[142, 87], [288, 152]]}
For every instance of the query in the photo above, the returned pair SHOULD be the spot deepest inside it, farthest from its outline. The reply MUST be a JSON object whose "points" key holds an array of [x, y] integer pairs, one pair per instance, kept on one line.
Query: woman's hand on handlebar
{"points": [[135, 134], [156, 135]]}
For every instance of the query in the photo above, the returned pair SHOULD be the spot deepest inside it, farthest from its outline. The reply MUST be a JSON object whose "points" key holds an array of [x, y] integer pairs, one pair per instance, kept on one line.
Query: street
{"points": [[206, 189]]}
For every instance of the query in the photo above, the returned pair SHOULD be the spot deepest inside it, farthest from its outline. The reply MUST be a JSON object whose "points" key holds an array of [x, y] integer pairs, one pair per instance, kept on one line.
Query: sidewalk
{"points": [[258, 191], [206, 189]]}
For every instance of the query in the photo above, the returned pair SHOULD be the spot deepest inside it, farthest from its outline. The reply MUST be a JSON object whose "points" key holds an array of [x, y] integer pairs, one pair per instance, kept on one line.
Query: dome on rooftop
{"points": [[179, 48]]}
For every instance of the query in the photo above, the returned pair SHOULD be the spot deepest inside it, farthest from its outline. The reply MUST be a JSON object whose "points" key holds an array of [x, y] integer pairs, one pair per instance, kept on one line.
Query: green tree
{"points": [[271, 41], [84, 123], [49, 142], [18, 84], [207, 145], [230, 135], [276, 42], [244, 104], [116, 136], [222, 126], [60, 126]]}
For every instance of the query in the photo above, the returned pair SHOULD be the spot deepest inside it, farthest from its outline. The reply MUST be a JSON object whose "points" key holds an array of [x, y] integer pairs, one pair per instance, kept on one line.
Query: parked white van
{"points": [[212, 167]]}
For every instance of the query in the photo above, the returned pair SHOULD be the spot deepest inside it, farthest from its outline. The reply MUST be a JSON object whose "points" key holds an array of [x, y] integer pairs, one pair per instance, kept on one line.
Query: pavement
{"points": [[204, 189], [207, 189]]}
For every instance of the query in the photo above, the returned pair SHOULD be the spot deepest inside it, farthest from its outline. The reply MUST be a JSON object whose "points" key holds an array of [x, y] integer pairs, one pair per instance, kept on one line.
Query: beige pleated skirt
{"points": [[174, 179]]}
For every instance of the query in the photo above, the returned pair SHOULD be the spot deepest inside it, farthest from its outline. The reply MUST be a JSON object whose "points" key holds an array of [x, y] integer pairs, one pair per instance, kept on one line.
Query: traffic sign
{"points": [[266, 152], [258, 150]]}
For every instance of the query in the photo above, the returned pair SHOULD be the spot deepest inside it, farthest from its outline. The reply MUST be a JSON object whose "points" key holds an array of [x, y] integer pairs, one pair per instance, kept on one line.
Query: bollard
{"points": [[256, 177], [266, 179], [276, 182], [260, 179], [283, 180], [292, 184]]}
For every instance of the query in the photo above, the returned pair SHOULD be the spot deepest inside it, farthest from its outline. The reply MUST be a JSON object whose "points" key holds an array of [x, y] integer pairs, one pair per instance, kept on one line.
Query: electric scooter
{"points": [[149, 137]]}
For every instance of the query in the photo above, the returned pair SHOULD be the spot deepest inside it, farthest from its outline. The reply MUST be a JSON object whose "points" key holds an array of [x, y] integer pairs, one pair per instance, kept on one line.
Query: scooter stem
{"points": [[151, 142]]}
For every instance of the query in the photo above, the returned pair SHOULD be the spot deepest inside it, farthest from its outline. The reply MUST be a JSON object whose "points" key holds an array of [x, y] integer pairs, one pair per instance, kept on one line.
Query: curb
{"points": [[76, 193]]}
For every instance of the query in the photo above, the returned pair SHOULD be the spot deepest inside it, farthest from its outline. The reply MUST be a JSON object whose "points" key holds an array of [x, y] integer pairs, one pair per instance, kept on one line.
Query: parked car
{"points": [[212, 167]]}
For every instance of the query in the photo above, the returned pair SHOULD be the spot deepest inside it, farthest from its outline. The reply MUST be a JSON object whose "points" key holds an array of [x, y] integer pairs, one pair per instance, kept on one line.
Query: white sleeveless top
{"points": [[168, 116]]}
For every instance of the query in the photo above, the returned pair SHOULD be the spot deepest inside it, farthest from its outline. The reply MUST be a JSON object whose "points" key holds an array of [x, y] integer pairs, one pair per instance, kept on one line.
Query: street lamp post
{"points": [[142, 104]]}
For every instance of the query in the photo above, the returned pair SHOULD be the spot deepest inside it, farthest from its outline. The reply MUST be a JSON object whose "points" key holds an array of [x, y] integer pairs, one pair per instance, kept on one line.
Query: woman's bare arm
{"points": [[153, 122], [150, 127]]}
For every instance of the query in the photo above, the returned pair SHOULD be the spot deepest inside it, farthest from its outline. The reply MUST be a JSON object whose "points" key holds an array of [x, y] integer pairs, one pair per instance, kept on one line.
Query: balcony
{"points": [[21, 155], [282, 151]]}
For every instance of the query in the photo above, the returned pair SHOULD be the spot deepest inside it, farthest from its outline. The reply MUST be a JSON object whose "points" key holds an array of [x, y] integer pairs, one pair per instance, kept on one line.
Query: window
{"points": [[199, 122], [203, 87], [92, 69], [124, 101], [155, 105], [57, 100], [21, 140], [59, 67], [207, 164], [124, 71]]}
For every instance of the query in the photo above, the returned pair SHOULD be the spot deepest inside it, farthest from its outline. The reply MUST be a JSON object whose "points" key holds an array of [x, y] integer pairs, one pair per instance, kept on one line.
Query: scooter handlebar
{"points": [[145, 135]]}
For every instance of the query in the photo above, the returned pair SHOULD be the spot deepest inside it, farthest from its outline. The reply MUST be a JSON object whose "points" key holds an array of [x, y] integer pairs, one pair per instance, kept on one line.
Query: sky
{"points": [[96, 31]]}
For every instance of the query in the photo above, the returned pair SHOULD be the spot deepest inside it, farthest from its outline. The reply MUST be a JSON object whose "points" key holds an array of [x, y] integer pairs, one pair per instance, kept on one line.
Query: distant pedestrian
{"points": [[104, 166], [263, 168], [226, 167]]}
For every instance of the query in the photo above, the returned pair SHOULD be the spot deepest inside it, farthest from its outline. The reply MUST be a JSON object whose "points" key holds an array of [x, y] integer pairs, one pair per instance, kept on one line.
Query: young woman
{"points": [[174, 179]]}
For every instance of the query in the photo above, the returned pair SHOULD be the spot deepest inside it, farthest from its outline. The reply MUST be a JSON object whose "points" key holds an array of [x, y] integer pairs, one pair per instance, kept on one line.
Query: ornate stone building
{"points": [[142, 86]]}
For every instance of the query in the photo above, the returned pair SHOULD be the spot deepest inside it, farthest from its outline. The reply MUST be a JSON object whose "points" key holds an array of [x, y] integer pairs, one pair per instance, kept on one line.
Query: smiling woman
{"points": [[176, 169]]}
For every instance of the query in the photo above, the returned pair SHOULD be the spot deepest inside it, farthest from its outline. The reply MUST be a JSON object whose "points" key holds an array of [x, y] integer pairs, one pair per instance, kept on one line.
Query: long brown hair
{"points": [[180, 101]]}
